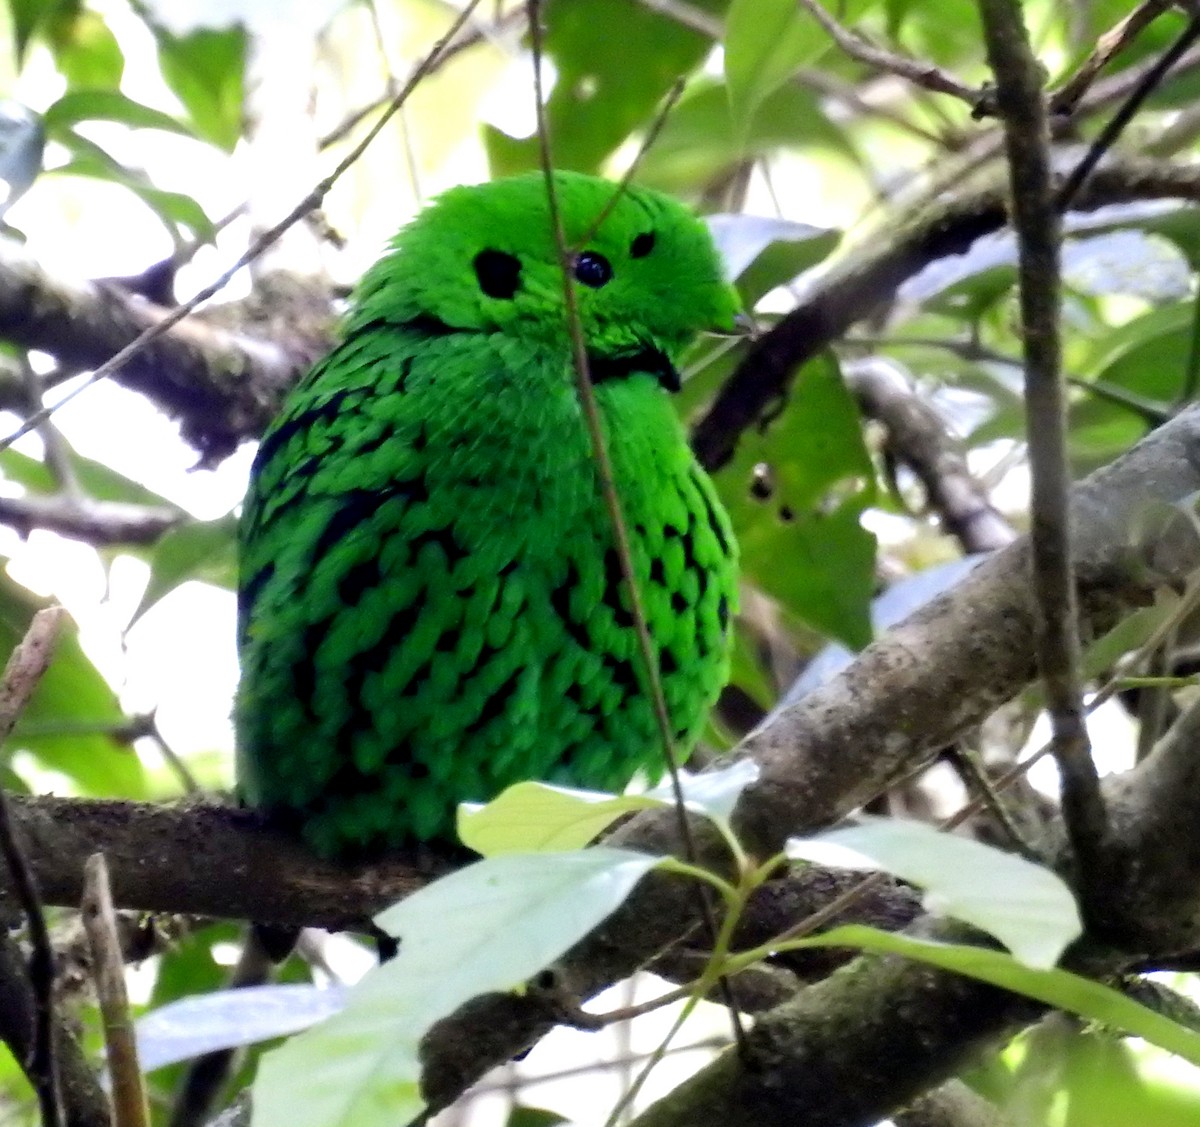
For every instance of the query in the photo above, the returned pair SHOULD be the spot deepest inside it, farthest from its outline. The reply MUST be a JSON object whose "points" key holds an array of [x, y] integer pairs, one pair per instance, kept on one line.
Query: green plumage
{"points": [[431, 606]]}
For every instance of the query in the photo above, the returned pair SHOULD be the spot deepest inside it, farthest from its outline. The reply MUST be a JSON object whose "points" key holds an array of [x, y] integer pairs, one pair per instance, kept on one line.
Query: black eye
{"points": [[499, 273], [593, 269], [642, 245]]}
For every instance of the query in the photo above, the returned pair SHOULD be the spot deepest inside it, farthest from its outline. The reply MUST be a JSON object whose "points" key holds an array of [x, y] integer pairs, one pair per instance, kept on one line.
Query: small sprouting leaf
{"points": [[487, 927], [230, 1019], [540, 817], [1026, 906]]}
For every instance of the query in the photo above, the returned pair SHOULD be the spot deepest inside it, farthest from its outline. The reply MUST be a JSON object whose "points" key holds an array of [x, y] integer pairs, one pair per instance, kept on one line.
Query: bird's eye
{"points": [[642, 245], [499, 273], [593, 269]]}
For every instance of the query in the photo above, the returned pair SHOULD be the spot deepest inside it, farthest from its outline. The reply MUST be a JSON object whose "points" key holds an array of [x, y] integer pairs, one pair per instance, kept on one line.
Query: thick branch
{"points": [[223, 387]]}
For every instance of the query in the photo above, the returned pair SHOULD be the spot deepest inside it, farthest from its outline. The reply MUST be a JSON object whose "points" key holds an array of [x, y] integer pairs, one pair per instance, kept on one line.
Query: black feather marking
{"points": [[614, 582], [354, 508], [454, 552], [493, 708], [667, 663], [723, 613], [560, 602], [289, 426], [359, 579], [304, 669], [658, 573], [623, 674], [250, 589], [375, 657], [646, 360], [714, 521]]}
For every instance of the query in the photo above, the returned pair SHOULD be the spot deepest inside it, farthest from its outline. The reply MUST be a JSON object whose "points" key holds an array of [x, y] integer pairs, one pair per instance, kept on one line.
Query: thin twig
{"points": [[25, 669], [660, 119], [1037, 224], [108, 970], [1150, 81], [1064, 100], [312, 200], [923, 74], [612, 503]]}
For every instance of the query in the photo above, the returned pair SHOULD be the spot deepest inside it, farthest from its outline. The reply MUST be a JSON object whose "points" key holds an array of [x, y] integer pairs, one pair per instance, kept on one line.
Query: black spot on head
{"points": [[642, 245], [499, 273], [593, 269]]}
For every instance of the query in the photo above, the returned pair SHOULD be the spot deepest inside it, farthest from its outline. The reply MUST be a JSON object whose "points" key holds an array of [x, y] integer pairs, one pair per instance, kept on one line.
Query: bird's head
{"points": [[484, 259]]}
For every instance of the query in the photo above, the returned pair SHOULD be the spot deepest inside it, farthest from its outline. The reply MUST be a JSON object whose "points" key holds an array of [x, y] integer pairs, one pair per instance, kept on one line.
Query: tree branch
{"points": [[1035, 218], [98, 523], [869, 276], [221, 386], [918, 438]]}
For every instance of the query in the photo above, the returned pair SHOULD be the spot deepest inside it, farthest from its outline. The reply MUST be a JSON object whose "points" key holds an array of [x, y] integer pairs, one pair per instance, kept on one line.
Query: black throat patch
{"points": [[651, 360]]}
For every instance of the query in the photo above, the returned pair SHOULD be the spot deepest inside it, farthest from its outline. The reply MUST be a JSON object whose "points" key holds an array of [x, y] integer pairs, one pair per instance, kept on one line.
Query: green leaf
{"points": [[487, 927], [206, 71], [30, 16], [1026, 906], [86, 51], [200, 550], [761, 252], [540, 817], [70, 703], [172, 208], [698, 142], [1058, 988], [608, 85], [766, 42], [106, 105], [802, 543]]}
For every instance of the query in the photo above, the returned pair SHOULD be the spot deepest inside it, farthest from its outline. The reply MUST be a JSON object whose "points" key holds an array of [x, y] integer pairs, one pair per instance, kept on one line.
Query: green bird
{"points": [[431, 605]]}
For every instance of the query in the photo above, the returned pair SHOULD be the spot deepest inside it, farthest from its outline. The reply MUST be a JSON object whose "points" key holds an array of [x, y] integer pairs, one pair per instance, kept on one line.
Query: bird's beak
{"points": [[742, 325]]}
